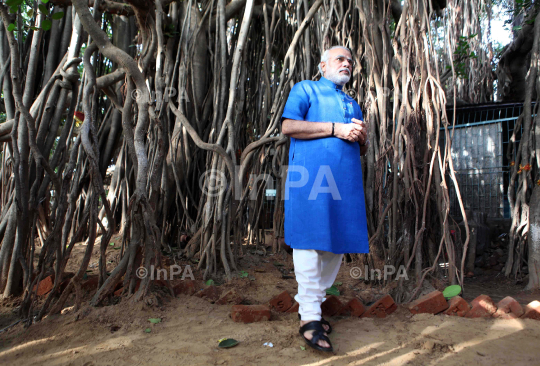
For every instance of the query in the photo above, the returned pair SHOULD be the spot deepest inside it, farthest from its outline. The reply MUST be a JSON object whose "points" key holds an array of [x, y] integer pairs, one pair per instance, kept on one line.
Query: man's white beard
{"points": [[337, 78]]}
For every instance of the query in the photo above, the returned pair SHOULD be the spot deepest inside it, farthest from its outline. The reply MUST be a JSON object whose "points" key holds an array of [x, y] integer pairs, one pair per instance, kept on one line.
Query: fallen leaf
{"points": [[228, 343], [332, 291]]}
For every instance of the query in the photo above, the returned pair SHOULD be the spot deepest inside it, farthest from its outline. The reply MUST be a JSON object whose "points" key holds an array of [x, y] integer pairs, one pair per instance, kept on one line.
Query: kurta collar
{"points": [[327, 82]]}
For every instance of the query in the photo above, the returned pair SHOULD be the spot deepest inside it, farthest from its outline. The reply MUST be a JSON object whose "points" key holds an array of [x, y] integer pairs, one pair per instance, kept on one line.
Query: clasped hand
{"points": [[353, 132]]}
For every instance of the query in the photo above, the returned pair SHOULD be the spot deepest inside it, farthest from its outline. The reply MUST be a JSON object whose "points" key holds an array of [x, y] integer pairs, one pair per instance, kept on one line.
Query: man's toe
{"points": [[326, 327], [323, 344]]}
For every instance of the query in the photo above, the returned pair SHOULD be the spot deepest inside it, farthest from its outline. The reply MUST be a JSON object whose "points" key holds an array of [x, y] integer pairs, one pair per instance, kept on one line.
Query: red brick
{"points": [[282, 302], [381, 308], [294, 308], [354, 308], [211, 293], [186, 287], [90, 283], [119, 285], [45, 286], [331, 306], [120, 288], [481, 307], [457, 306], [432, 303], [250, 313], [532, 310], [230, 298], [508, 308]]}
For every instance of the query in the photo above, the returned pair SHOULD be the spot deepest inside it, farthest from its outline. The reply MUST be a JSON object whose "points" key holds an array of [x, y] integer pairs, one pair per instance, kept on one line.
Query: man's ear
{"points": [[323, 67]]}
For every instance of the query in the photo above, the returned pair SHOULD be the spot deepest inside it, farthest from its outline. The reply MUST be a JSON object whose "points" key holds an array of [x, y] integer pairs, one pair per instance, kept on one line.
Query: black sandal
{"points": [[323, 322], [318, 335]]}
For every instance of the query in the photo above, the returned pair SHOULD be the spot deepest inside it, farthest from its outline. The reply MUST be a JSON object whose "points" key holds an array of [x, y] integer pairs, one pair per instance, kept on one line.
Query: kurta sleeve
{"points": [[358, 112], [297, 105]]}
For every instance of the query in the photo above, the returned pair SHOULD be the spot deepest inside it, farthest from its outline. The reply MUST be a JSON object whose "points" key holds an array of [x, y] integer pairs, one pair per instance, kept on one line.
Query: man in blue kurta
{"points": [[325, 213]]}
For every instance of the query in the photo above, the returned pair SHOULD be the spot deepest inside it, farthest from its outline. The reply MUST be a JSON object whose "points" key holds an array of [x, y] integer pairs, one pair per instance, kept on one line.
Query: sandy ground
{"points": [[191, 327]]}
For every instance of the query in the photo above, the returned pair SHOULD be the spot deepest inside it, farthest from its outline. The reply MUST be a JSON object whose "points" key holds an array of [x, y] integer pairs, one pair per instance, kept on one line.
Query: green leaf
{"points": [[244, 274], [116, 248], [11, 27], [209, 282], [517, 27], [13, 9], [147, 330], [111, 243], [228, 343], [44, 1], [338, 283], [46, 25], [302, 348], [332, 291], [43, 9], [451, 291], [30, 13], [154, 320], [14, 2], [59, 15]]}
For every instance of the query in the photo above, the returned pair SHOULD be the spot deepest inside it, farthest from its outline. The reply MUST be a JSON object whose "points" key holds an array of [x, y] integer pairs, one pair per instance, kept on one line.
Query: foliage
{"points": [[27, 13], [462, 54]]}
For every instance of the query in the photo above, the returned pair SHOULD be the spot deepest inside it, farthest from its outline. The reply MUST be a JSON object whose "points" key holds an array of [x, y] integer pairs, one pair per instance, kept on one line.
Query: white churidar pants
{"points": [[315, 271]]}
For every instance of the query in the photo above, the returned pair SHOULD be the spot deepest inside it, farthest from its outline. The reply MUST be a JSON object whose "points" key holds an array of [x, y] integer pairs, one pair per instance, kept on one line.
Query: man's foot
{"points": [[308, 334], [325, 324]]}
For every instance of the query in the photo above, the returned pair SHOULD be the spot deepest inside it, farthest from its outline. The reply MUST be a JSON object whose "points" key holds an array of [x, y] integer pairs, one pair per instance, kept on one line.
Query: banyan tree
{"points": [[159, 121]]}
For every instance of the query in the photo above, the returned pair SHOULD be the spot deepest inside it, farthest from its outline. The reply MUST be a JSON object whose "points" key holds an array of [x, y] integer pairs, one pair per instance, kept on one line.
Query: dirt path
{"points": [[191, 327]]}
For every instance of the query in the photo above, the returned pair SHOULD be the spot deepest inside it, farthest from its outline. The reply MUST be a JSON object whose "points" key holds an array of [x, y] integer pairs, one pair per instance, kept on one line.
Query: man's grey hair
{"points": [[324, 57]]}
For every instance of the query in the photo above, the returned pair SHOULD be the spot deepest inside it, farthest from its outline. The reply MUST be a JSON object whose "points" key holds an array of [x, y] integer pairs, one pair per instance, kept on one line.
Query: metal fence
{"points": [[479, 144]]}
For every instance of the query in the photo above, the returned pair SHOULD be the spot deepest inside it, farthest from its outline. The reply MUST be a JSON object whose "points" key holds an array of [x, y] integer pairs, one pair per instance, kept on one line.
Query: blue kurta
{"points": [[324, 193]]}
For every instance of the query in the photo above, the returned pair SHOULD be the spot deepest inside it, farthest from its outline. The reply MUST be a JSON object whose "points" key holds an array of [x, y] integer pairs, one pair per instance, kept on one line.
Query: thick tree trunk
{"points": [[533, 241]]}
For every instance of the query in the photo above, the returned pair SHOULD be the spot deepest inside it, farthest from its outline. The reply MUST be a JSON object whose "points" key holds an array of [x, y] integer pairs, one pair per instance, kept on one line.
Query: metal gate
{"points": [[479, 145]]}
